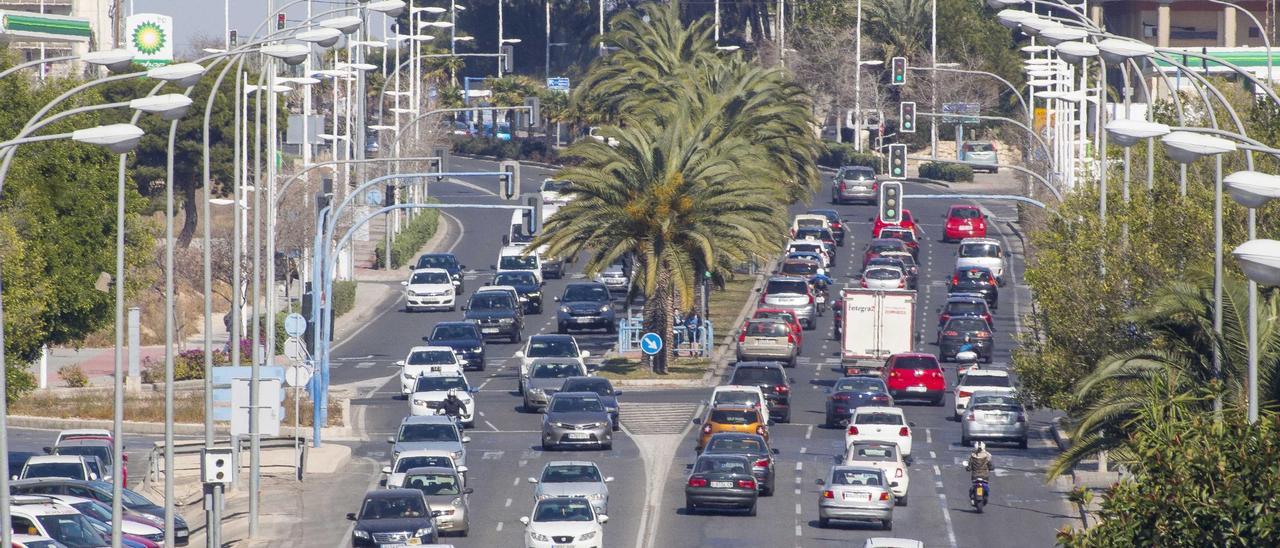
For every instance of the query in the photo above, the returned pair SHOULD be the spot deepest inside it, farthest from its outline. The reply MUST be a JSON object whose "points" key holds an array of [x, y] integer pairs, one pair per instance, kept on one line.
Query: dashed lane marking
{"points": [[656, 418]]}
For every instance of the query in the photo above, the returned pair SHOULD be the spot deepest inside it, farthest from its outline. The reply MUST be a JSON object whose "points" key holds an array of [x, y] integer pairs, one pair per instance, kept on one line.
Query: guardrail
{"points": [[155, 472], [699, 344]]}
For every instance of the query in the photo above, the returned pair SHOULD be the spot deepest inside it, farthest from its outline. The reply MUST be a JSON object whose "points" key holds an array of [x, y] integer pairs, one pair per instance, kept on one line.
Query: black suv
{"points": [[772, 380], [393, 516], [465, 340], [446, 261], [526, 285], [977, 281], [497, 313], [585, 305]]}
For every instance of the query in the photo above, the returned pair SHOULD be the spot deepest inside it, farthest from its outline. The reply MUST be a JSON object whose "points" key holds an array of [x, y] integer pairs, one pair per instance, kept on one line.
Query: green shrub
{"points": [[946, 171], [516, 149], [836, 155], [344, 296], [281, 336], [74, 376], [405, 245], [187, 365]]}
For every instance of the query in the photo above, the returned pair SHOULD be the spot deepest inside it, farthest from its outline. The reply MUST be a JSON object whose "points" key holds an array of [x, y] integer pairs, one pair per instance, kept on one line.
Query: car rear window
{"points": [[857, 175], [856, 477], [970, 381], [914, 362], [787, 286], [736, 396], [879, 452], [974, 277], [861, 385], [979, 147], [757, 376], [735, 445], [967, 324], [880, 246], [784, 316], [734, 416], [767, 329], [966, 213], [807, 248], [882, 274], [980, 250], [904, 235], [799, 268], [879, 418], [427, 357], [957, 308], [802, 223]]}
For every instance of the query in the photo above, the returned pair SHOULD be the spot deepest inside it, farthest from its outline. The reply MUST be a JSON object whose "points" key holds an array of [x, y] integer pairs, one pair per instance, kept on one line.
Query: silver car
{"points": [[614, 277], [544, 379], [791, 293], [854, 183], [995, 416], [446, 497], [983, 153], [430, 432], [561, 479], [860, 493], [576, 419], [768, 339]]}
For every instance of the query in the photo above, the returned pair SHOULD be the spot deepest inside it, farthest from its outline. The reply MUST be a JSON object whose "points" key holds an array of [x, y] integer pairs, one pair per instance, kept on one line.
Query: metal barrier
{"points": [[700, 344], [155, 472]]}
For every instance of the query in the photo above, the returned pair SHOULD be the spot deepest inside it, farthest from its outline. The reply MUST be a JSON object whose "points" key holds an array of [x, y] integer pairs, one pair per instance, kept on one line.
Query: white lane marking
{"points": [[937, 484], [507, 504], [937, 471], [797, 490], [482, 413], [798, 530], [490, 425], [484, 384], [946, 518], [797, 483], [797, 508], [808, 432], [804, 450], [933, 455], [516, 482], [799, 466], [499, 527], [928, 435]]}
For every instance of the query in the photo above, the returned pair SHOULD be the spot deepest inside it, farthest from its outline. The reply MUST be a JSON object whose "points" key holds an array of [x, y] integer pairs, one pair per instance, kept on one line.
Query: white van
{"points": [[516, 235], [512, 258]]}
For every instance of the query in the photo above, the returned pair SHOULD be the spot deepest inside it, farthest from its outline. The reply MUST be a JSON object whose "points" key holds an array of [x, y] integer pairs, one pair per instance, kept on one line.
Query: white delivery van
{"points": [[877, 324]]}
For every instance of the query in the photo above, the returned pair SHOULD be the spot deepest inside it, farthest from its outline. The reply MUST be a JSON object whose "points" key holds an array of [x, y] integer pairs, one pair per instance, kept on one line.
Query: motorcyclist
{"points": [[979, 464], [452, 405]]}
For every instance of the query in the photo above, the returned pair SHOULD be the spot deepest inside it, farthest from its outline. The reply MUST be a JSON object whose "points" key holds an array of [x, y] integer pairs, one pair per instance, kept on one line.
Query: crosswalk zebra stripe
{"points": [[656, 418]]}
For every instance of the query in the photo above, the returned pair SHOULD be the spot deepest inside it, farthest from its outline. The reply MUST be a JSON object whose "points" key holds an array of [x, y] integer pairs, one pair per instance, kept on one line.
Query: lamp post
{"points": [[1253, 189]]}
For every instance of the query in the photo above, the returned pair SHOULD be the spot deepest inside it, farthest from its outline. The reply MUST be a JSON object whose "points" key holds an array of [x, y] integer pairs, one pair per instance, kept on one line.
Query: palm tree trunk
{"points": [[658, 318]]}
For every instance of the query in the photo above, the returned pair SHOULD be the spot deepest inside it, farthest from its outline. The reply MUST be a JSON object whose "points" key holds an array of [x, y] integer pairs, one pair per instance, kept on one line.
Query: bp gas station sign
{"points": [[22, 26], [149, 36]]}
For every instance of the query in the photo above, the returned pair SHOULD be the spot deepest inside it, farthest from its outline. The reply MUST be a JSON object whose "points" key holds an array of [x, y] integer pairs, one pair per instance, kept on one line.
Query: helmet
{"points": [[979, 446], [454, 392]]}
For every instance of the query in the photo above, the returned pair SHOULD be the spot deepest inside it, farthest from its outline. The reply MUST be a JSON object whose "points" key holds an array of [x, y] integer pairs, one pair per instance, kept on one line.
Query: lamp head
{"points": [[118, 138], [170, 106], [1127, 133], [183, 74], [291, 54], [1259, 260], [347, 24], [1252, 189], [115, 60], [321, 36], [1074, 52], [1186, 147]]}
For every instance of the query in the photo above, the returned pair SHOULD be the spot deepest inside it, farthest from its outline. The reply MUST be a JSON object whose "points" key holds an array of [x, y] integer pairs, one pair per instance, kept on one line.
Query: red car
{"points": [[880, 245], [964, 221], [907, 222], [906, 235], [781, 314], [915, 375]]}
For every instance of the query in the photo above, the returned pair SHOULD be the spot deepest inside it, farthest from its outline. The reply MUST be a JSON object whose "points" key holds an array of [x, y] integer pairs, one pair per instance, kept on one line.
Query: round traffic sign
{"points": [[294, 349], [373, 197], [297, 375], [650, 343], [295, 325]]}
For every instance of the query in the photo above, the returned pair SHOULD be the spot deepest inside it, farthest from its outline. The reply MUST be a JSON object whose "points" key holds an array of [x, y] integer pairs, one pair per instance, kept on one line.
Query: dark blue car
{"points": [[851, 393], [526, 284], [465, 340]]}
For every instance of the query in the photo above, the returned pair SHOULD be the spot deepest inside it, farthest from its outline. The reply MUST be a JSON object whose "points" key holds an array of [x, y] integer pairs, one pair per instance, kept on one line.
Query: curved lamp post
{"points": [[1258, 259]]}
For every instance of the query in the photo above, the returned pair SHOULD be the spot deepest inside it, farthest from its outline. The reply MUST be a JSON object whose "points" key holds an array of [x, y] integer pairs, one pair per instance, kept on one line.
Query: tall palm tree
{"points": [[899, 27]]}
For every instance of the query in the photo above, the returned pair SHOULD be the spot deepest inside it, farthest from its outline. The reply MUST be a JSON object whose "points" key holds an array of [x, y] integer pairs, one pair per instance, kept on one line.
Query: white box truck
{"points": [[876, 324]]}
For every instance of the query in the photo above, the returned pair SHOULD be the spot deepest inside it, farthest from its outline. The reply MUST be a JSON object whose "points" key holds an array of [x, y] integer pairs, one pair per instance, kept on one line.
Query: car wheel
{"points": [[786, 417], [526, 408], [792, 362], [751, 511], [886, 524], [942, 400], [966, 441], [561, 329], [830, 421], [1022, 443], [469, 425], [690, 507], [824, 523], [901, 501], [766, 491], [612, 329]]}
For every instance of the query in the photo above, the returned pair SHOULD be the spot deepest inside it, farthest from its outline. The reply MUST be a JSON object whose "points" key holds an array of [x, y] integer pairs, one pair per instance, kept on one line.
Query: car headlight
{"points": [[535, 390], [594, 425], [535, 294], [564, 309], [421, 402], [457, 502], [423, 532], [588, 536], [595, 496], [457, 456], [411, 292], [478, 349], [544, 496], [408, 377], [538, 536], [560, 425], [360, 534], [604, 308], [506, 320]]}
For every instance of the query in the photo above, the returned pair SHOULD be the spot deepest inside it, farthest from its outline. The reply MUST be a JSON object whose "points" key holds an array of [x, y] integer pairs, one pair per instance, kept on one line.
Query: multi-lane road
{"points": [[505, 448]]}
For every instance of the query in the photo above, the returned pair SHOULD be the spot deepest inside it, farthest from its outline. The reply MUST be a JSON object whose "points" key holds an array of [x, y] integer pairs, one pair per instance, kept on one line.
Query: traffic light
{"points": [[533, 215], [899, 71], [907, 117], [891, 202], [508, 55], [280, 22], [233, 38], [898, 161], [509, 181]]}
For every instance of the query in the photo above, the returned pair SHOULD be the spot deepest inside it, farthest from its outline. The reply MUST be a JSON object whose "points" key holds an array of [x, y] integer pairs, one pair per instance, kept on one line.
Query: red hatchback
{"points": [[907, 222], [964, 221], [915, 375]]}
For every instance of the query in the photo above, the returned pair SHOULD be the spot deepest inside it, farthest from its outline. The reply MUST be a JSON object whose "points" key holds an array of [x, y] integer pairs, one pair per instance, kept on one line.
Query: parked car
{"points": [[888, 459], [982, 154], [447, 499], [465, 340], [101, 491], [78, 467], [576, 419], [557, 522], [41, 516], [915, 375], [860, 493], [132, 525], [964, 221], [753, 446], [721, 481], [585, 305], [768, 340], [855, 183], [573, 479], [773, 382], [850, 393], [392, 516], [92, 446], [994, 416]]}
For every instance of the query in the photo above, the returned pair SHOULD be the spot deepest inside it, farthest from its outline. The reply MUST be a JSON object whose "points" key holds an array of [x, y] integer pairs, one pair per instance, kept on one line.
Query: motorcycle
{"points": [[966, 361], [978, 494]]}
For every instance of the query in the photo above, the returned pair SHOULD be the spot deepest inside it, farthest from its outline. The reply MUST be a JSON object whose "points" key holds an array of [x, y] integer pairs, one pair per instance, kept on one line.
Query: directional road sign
{"points": [[650, 343], [295, 325], [558, 84]]}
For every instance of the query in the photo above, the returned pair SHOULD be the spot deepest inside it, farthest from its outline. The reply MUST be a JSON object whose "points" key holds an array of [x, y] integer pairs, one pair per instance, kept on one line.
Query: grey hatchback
{"points": [[854, 183]]}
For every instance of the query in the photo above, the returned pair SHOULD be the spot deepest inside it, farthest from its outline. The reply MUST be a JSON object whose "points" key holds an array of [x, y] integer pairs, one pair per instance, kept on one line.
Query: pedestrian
{"points": [[692, 324], [677, 331]]}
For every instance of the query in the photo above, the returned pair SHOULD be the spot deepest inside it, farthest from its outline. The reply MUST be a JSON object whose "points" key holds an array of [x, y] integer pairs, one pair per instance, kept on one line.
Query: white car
{"points": [[986, 380], [550, 346], [809, 221], [569, 522], [883, 424], [519, 258], [82, 433], [38, 515], [431, 389], [892, 542], [573, 479], [883, 277], [551, 191], [810, 246], [983, 252], [429, 288], [887, 458], [510, 290], [426, 359], [419, 458], [86, 468], [740, 395]]}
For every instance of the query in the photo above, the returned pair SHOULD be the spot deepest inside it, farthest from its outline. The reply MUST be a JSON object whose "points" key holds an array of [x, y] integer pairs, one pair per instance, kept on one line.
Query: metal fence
{"points": [[697, 342]]}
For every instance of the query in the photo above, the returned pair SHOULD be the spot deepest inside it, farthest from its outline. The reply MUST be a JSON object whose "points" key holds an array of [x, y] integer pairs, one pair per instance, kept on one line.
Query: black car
{"points": [[585, 305], [772, 380], [526, 284], [601, 386], [101, 492], [833, 217], [721, 481], [446, 261], [976, 280], [465, 340], [497, 313], [752, 446], [961, 330], [850, 393], [393, 517]]}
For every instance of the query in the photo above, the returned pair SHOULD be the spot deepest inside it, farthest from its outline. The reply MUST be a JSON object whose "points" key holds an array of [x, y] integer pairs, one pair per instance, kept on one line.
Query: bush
{"points": [[942, 171], [344, 297], [405, 245], [187, 365], [836, 155], [516, 149], [74, 376]]}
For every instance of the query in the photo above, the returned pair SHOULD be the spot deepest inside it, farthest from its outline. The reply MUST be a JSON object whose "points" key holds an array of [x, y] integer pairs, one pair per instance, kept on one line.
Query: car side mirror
{"points": [[401, 362], [468, 491], [697, 420], [819, 481], [609, 479], [391, 440], [603, 519], [775, 451], [462, 469], [871, 219], [586, 354], [47, 450], [386, 469], [533, 480], [518, 354], [382, 482], [93, 476], [473, 390], [524, 520], [404, 283], [13, 477], [351, 516], [556, 299], [893, 484], [466, 439]]}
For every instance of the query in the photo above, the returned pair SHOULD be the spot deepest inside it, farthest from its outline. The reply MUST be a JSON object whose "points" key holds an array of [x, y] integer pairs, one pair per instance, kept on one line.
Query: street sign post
{"points": [[558, 83], [650, 343], [295, 325]]}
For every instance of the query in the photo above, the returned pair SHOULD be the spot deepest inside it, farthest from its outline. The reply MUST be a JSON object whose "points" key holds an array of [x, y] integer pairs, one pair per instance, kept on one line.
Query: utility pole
{"points": [[933, 81], [857, 85], [117, 23]]}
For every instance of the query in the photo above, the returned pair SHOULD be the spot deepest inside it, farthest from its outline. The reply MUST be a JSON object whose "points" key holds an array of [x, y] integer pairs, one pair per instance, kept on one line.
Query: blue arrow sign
{"points": [[650, 343]]}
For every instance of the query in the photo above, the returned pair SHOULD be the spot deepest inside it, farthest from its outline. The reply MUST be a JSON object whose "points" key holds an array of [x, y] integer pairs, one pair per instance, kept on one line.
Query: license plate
{"points": [[397, 545], [578, 436], [561, 546], [978, 491], [917, 388], [966, 227], [489, 330], [722, 484], [584, 320], [857, 495], [767, 341]]}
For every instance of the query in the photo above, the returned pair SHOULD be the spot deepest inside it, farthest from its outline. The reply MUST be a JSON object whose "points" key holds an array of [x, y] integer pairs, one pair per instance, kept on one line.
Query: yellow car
{"points": [[745, 419]]}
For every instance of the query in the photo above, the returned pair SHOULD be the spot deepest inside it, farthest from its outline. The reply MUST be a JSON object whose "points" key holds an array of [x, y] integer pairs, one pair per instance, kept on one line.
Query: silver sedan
{"points": [[994, 416], [562, 479], [855, 493], [576, 419]]}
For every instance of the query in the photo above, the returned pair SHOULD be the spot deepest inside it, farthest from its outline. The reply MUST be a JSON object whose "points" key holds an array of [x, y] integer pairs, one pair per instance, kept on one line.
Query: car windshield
{"points": [[101, 451], [736, 445], [856, 477], [599, 386], [970, 381], [882, 274], [979, 147], [902, 256], [437, 261], [872, 451], [556, 371], [891, 419], [491, 300], [571, 473], [807, 248], [430, 278], [446, 332], [515, 278], [965, 213], [797, 287], [431, 357], [860, 385], [94, 509], [428, 432], [54, 470], [41, 544], [757, 376], [518, 262], [966, 307], [886, 261], [881, 246], [434, 484], [990, 251], [739, 417], [831, 215], [767, 329], [73, 530], [440, 384], [551, 348], [563, 510], [904, 235], [132, 499], [551, 185], [585, 293], [576, 405], [805, 223], [799, 268], [995, 400], [722, 465], [974, 277], [409, 463], [736, 396], [914, 362], [393, 508], [967, 325]]}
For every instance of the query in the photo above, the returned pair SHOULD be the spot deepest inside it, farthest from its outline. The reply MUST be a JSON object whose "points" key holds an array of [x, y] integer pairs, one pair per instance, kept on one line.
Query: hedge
{"points": [[946, 171], [405, 245], [837, 155], [344, 296], [514, 149]]}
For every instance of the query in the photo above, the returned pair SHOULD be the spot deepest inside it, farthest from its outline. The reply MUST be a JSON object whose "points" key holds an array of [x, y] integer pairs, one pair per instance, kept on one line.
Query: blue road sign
{"points": [[558, 84], [650, 343]]}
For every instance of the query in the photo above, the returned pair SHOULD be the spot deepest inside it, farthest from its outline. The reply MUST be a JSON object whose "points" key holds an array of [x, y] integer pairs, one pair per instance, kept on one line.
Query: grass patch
{"points": [[727, 304], [628, 369], [188, 407]]}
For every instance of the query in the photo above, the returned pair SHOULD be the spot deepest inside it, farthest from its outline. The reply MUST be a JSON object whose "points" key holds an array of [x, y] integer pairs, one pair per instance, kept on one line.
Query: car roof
{"points": [[39, 505], [736, 388], [552, 337], [734, 407], [887, 241], [437, 255], [470, 323], [431, 470], [846, 168], [426, 453], [826, 212], [82, 441], [41, 459], [512, 250], [776, 311], [587, 395], [591, 284], [784, 278], [884, 267], [102, 432], [980, 241], [737, 436], [965, 298], [879, 409], [855, 468], [494, 288], [809, 216], [987, 373], [769, 320], [914, 355], [571, 463], [392, 493], [759, 364], [427, 419]]}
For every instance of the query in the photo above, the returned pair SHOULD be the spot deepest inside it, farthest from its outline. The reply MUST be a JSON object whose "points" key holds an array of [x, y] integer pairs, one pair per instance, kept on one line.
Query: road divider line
{"points": [[490, 425], [937, 471], [798, 509], [946, 518], [499, 527], [799, 466], [808, 432], [928, 435], [507, 504]]}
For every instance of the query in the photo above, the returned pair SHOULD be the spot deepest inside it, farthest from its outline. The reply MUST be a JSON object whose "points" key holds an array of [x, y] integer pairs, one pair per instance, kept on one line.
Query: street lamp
{"points": [[1126, 133], [390, 8], [291, 54], [1186, 147], [181, 74], [115, 60], [347, 24], [171, 106], [1252, 189], [322, 36], [1032, 26], [1116, 50], [1259, 260], [1075, 52], [1013, 18], [1059, 35]]}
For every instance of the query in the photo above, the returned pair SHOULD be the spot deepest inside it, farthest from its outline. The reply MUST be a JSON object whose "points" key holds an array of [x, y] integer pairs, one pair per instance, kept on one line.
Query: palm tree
{"points": [[900, 27], [1175, 375]]}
